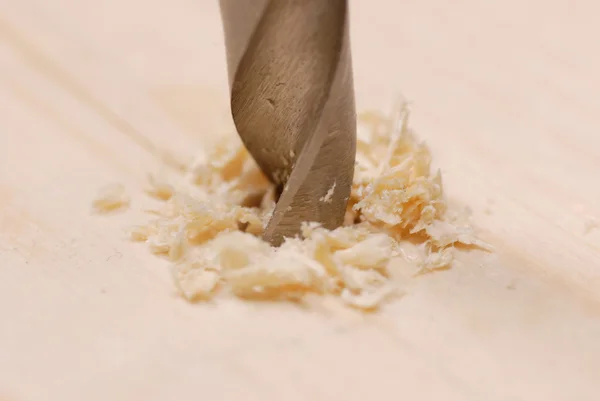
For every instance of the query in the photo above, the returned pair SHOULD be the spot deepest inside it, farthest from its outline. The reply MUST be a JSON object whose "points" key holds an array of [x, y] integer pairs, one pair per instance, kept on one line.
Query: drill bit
{"points": [[292, 102]]}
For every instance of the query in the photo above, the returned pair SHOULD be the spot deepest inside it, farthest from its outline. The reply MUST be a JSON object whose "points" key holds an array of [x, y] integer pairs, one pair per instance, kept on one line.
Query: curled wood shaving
{"points": [[210, 229]]}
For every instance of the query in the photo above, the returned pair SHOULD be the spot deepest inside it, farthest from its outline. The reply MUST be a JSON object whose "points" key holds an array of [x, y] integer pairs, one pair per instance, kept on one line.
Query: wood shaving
{"points": [[110, 198], [209, 228], [160, 189], [329, 195]]}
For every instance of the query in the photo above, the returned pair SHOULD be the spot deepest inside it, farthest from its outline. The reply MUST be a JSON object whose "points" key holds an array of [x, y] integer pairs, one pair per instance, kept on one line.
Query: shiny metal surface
{"points": [[292, 101]]}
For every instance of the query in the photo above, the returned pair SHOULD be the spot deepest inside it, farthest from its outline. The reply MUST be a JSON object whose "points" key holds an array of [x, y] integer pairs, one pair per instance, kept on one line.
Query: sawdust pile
{"points": [[209, 224]]}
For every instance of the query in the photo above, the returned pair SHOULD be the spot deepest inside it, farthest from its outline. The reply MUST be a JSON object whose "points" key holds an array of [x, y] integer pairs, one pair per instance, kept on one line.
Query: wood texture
{"points": [[506, 95]]}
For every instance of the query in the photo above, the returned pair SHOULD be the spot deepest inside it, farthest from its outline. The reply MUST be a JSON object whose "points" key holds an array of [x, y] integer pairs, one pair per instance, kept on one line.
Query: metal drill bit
{"points": [[292, 102]]}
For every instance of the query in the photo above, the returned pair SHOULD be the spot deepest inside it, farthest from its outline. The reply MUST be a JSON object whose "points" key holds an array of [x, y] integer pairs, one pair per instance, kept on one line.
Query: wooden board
{"points": [[506, 95]]}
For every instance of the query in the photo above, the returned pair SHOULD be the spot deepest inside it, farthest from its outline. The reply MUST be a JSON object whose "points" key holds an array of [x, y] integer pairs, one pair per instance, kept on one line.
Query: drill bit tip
{"points": [[292, 102]]}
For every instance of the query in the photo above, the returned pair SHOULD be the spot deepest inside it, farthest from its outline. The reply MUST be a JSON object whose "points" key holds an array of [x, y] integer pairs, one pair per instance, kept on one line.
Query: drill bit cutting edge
{"points": [[292, 102]]}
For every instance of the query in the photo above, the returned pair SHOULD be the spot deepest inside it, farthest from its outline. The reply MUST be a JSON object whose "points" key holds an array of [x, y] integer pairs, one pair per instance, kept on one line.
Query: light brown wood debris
{"points": [[210, 226]]}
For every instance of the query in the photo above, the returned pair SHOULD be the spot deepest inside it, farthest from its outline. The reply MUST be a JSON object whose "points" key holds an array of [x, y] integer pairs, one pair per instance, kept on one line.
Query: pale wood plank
{"points": [[504, 93]]}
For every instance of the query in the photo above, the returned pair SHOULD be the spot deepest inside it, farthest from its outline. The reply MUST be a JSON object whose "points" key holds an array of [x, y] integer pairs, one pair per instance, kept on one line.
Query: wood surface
{"points": [[504, 92]]}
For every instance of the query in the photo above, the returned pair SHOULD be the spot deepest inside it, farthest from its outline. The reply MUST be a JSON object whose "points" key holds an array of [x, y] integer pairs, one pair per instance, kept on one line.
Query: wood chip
{"points": [[111, 198]]}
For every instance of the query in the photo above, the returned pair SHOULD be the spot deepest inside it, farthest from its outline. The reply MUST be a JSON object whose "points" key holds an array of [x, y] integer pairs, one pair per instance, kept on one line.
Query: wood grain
{"points": [[505, 93]]}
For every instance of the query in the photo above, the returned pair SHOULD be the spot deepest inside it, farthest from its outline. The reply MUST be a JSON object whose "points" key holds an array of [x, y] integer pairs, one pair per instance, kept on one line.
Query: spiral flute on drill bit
{"points": [[292, 102], [293, 106]]}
